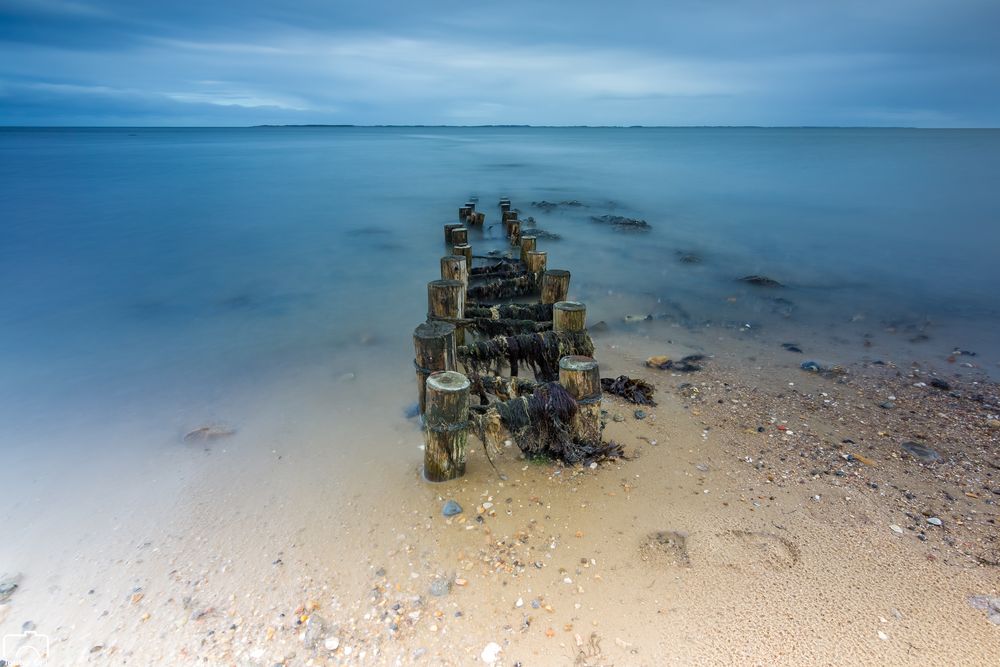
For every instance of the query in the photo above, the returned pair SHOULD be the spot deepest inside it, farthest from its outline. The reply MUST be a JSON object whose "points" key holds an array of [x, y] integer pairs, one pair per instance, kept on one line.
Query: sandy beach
{"points": [[763, 514]]}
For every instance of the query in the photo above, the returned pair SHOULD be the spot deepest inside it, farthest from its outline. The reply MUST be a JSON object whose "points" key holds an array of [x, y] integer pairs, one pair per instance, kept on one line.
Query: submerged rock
{"points": [[9, 584], [760, 281], [209, 432], [451, 508], [621, 222], [792, 347], [688, 258]]}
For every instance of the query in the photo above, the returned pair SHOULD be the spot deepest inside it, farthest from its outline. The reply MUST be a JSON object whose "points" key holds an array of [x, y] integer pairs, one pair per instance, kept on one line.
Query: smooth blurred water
{"points": [[152, 273]]}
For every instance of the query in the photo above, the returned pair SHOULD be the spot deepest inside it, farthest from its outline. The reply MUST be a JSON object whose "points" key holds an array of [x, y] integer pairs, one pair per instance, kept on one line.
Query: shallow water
{"points": [[150, 276]]}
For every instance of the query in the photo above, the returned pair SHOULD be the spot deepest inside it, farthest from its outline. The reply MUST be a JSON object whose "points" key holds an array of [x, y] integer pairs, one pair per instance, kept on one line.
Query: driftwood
{"points": [[541, 352]]}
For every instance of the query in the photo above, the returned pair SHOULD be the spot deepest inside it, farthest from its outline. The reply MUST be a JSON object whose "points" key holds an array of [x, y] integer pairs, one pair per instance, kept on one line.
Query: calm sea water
{"points": [[150, 275]]}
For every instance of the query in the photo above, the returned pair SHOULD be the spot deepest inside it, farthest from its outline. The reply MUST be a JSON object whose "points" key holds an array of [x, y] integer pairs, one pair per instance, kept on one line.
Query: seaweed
{"points": [[503, 388], [632, 390], [503, 288], [540, 425], [685, 365], [621, 222], [491, 328], [539, 351], [539, 312], [503, 268]]}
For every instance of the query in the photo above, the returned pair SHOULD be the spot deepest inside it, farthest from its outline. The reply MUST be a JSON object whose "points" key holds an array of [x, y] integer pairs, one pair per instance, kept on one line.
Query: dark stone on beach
{"points": [[8, 585], [811, 366], [412, 410], [760, 281], [640, 414], [792, 347], [888, 405], [922, 452], [939, 384], [451, 508], [621, 222]]}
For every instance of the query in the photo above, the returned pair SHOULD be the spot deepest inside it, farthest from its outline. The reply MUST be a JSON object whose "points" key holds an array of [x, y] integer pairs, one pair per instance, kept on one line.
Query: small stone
{"points": [[331, 643], [884, 637], [993, 423], [922, 452], [640, 414], [618, 417], [519, 603], [940, 384], [491, 653], [8, 585], [315, 627], [535, 604], [451, 508], [440, 587], [888, 405], [934, 521], [896, 529]]}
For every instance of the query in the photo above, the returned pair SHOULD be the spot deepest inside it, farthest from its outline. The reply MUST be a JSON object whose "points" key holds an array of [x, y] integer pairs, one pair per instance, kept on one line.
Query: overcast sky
{"points": [[614, 62]]}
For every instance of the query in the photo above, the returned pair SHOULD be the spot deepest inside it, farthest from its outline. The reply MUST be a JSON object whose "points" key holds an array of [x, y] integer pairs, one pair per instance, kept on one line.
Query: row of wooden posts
{"points": [[443, 391]]}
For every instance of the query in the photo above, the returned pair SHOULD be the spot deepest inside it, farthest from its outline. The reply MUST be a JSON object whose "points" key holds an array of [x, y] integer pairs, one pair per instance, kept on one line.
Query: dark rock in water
{"points": [[792, 347], [209, 432], [621, 222], [962, 353], [939, 384], [688, 258], [887, 405], [451, 508], [541, 234], [760, 281], [640, 414], [922, 452], [821, 369], [412, 410], [600, 327], [8, 585], [551, 206]]}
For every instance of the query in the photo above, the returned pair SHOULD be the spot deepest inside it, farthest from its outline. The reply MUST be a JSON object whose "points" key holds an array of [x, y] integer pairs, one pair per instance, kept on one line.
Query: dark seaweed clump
{"points": [[632, 390], [621, 222]]}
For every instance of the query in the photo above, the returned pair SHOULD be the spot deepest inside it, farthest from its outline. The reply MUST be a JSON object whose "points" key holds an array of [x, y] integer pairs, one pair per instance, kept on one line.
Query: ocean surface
{"points": [[155, 280]]}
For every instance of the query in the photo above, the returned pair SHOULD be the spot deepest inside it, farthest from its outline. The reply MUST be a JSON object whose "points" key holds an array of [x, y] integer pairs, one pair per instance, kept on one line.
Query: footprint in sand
{"points": [[748, 549], [664, 548]]}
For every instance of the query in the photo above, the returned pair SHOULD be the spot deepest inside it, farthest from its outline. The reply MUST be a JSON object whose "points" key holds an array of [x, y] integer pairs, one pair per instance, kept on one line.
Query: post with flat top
{"points": [[535, 261], [514, 231], [569, 316], [528, 244], [453, 268], [446, 426], [448, 229], [581, 378], [465, 250], [434, 348], [446, 302], [555, 285], [459, 235]]}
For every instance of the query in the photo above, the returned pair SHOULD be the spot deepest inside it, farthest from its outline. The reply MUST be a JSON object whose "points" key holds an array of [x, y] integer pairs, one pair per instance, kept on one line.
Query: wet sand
{"points": [[764, 515]]}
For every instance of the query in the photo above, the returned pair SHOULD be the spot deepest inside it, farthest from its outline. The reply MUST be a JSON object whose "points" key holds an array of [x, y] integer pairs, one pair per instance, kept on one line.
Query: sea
{"points": [[266, 281]]}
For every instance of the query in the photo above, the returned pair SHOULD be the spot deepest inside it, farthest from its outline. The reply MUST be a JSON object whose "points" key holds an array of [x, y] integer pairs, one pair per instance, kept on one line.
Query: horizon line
{"points": [[490, 125]]}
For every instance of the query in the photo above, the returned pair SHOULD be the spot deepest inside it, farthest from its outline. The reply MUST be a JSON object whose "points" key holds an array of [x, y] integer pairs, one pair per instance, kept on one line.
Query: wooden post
{"points": [[471, 205], [535, 261], [448, 229], [555, 285], [528, 243], [504, 205], [445, 300], [459, 235], [569, 316], [434, 346], [453, 268], [463, 212], [465, 250], [581, 378], [509, 215], [479, 218], [514, 231], [446, 426]]}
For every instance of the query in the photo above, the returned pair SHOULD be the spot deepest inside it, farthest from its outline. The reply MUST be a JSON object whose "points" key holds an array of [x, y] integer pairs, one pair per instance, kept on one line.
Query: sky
{"points": [[924, 63]]}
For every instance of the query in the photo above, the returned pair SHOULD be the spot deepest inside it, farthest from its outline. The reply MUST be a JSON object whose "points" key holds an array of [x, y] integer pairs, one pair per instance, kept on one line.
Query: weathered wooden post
{"points": [[504, 205], [448, 230], [453, 268], [471, 205], [555, 285], [434, 347], [463, 212], [477, 218], [459, 235], [528, 244], [581, 378], [535, 261], [465, 250], [446, 425], [514, 231], [509, 215], [569, 316], [446, 301]]}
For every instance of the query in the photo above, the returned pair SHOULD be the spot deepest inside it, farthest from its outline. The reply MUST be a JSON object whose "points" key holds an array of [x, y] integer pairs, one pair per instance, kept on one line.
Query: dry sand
{"points": [[742, 529]]}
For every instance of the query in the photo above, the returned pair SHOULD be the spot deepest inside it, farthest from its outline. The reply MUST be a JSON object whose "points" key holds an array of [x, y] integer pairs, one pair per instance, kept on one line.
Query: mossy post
{"points": [[465, 250], [463, 212], [434, 348], [453, 268], [446, 426], [528, 244], [446, 301], [514, 231], [569, 316], [477, 218], [451, 226], [581, 378], [459, 235], [555, 285], [509, 214], [535, 261], [504, 205]]}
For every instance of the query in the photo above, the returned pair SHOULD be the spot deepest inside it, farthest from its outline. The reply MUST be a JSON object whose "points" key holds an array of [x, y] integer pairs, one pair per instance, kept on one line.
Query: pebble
{"points": [[331, 643], [619, 417], [8, 585], [934, 521], [315, 627], [440, 587], [451, 508], [888, 405], [640, 414], [884, 637], [896, 529], [922, 452], [491, 653]]}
